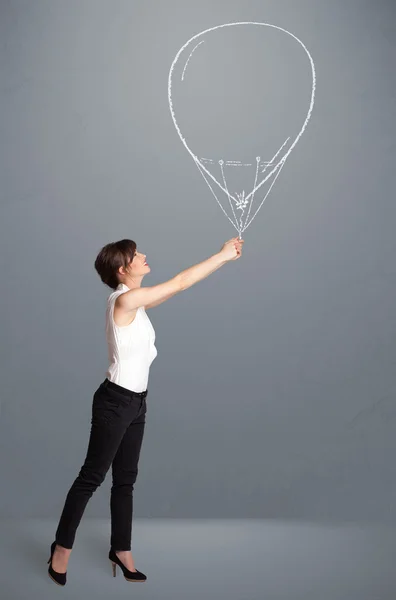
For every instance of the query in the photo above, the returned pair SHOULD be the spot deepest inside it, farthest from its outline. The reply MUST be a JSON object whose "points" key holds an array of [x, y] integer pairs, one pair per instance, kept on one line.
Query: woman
{"points": [[119, 403]]}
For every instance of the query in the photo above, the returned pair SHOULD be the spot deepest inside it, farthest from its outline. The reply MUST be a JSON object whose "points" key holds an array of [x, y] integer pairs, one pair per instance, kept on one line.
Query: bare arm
{"points": [[148, 296], [160, 301], [201, 270], [155, 295]]}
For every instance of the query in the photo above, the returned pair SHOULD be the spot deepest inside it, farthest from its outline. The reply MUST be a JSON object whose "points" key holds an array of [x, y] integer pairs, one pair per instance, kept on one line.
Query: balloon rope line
{"points": [[268, 164], [221, 162], [275, 178], [254, 187], [275, 155], [210, 187]]}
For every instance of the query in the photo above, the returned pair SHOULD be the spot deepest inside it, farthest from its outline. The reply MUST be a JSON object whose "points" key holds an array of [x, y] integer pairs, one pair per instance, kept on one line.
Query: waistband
{"points": [[123, 390]]}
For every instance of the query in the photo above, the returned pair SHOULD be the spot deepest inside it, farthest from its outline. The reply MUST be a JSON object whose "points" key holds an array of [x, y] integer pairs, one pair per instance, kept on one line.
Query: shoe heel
{"points": [[113, 564], [59, 578]]}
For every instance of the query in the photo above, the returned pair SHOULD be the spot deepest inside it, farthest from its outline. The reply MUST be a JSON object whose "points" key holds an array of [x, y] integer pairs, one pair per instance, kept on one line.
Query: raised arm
{"points": [[155, 295]]}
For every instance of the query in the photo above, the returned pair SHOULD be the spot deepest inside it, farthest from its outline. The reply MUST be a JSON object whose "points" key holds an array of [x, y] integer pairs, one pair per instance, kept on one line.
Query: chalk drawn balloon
{"points": [[272, 67]]}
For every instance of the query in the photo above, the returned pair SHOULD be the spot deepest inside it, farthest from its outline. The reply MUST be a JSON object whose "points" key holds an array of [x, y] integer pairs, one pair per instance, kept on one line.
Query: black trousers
{"points": [[117, 427]]}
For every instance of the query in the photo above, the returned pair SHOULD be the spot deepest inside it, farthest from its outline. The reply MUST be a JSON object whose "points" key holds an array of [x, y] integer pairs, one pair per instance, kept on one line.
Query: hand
{"points": [[232, 249]]}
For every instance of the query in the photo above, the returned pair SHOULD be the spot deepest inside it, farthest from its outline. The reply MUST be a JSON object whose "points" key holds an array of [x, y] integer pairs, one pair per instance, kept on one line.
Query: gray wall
{"points": [[274, 390]]}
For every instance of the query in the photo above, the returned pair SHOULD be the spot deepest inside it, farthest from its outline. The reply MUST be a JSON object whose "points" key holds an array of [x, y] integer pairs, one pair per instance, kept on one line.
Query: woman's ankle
{"points": [[63, 549]]}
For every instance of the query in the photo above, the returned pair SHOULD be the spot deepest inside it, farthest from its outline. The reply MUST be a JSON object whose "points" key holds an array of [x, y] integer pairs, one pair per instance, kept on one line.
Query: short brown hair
{"points": [[111, 258]]}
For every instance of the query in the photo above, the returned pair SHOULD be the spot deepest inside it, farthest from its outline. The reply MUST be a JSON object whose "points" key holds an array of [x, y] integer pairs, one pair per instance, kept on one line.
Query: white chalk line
{"points": [[234, 163], [241, 199], [267, 164], [225, 185], [275, 178], [185, 66], [255, 182], [211, 189]]}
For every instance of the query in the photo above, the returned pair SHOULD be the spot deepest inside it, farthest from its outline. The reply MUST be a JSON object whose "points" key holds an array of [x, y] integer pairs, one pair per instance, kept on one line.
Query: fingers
{"points": [[238, 243], [238, 248]]}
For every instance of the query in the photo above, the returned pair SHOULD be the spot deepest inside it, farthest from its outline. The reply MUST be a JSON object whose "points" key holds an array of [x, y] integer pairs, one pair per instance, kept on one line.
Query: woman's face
{"points": [[138, 264]]}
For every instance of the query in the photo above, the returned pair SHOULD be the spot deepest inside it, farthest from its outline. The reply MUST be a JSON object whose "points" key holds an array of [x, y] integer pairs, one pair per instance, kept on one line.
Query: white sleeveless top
{"points": [[131, 348]]}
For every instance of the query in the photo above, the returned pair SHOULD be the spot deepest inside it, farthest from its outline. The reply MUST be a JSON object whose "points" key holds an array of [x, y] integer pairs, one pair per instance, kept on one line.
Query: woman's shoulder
{"points": [[114, 295]]}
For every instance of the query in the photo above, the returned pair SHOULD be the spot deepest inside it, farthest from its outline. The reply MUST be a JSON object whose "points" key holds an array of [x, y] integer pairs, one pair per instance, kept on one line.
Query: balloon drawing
{"points": [[243, 93]]}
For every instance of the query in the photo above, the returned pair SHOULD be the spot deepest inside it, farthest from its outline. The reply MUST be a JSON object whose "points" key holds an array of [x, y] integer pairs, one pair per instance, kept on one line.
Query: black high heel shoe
{"points": [[59, 578], [129, 575]]}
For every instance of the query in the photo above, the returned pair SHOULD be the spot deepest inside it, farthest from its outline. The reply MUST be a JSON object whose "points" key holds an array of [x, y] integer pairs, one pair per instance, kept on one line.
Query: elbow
{"points": [[181, 284]]}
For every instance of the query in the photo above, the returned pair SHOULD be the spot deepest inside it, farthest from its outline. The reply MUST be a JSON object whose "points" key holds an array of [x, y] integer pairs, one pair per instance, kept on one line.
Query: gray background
{"points": [[273, 392]]}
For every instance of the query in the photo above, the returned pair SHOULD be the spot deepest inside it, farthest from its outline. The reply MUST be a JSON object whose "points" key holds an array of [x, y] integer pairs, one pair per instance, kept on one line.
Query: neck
{"points": [[132, 284]]}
